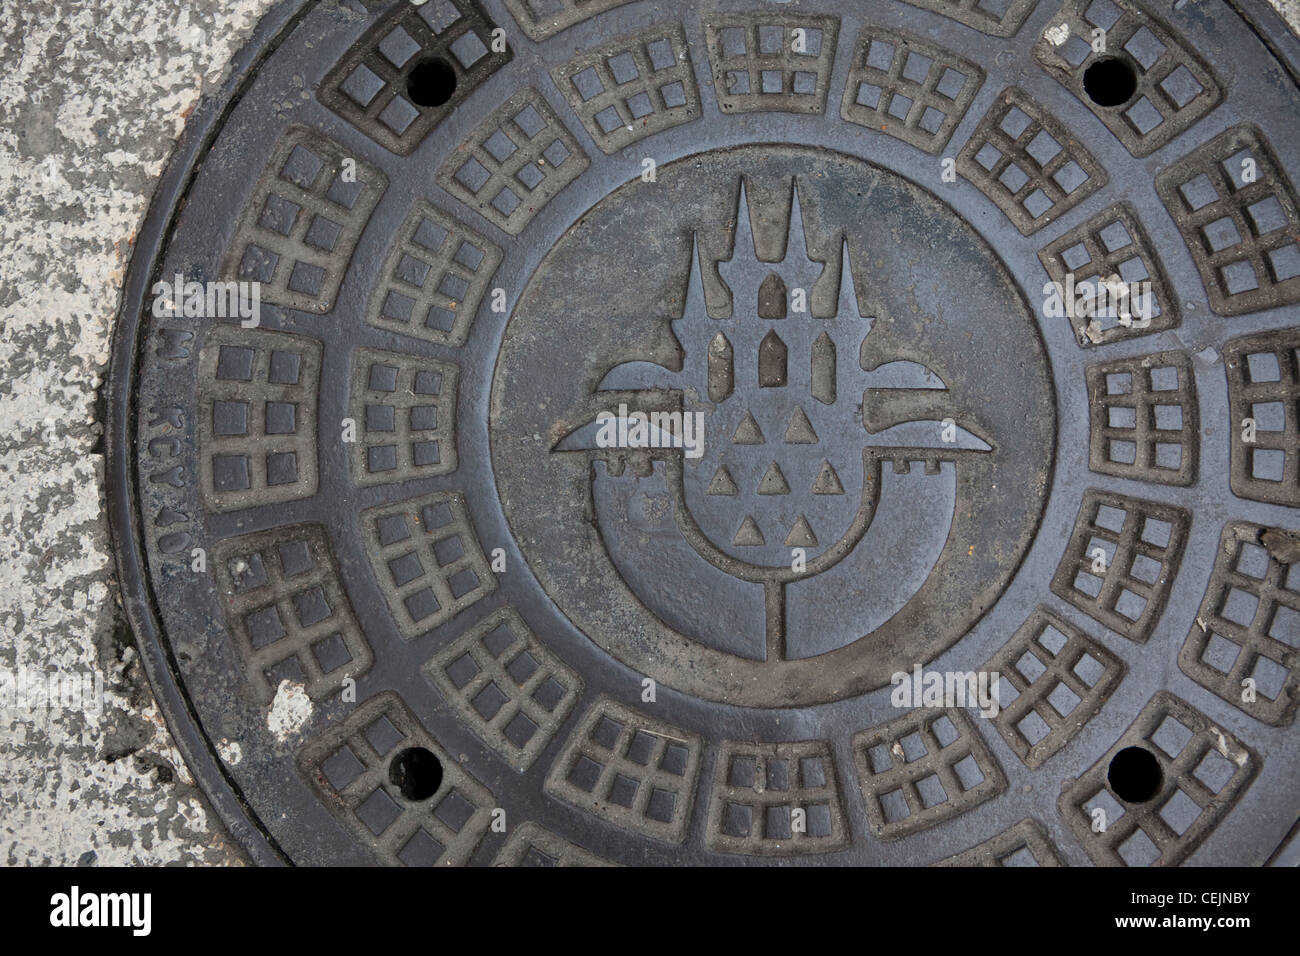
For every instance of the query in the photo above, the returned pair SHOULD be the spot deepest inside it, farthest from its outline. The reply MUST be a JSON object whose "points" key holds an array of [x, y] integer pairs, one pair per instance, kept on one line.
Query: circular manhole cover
{"points": [[552, 432]]}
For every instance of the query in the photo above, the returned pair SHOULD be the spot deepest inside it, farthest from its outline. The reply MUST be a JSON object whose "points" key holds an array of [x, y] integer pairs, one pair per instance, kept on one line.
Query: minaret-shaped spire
{"points": [[693, 315], [848, 299], [796, 238], [693, 303], [743, 249]]}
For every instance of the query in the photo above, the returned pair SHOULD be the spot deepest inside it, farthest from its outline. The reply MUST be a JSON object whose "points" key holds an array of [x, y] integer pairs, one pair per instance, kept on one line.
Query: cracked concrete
{"points": [[92, 98]]}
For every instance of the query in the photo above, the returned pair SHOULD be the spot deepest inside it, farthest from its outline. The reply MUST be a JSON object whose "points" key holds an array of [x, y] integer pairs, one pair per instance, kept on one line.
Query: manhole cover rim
{"points": [[135, 588], [195, 745]]}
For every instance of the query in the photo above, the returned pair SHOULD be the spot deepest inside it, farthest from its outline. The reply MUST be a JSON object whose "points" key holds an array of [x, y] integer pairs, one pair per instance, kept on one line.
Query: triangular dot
{"points": [[748, 432], [801, 535], [773, 482], [827, 483], [800, 430], [722, 483], [748, 536]]}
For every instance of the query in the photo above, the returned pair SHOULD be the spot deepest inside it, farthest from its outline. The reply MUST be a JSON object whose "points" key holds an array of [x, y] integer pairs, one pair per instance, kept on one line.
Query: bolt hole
{"points": [[1110, 81], [1134, 775], [417, 773], [431, 82]]}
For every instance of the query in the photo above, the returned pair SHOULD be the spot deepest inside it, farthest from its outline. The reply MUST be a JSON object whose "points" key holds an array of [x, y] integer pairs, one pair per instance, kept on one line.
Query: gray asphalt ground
{"points": [[93, 94]]}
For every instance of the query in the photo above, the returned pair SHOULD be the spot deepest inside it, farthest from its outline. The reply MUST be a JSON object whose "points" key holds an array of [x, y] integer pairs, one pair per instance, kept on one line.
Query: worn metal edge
{"points": [[136, 592], [1277, 35]]}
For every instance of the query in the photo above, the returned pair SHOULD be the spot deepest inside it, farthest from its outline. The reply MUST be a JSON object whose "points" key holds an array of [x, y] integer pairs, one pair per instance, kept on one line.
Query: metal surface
{"points": [[401, 602]]}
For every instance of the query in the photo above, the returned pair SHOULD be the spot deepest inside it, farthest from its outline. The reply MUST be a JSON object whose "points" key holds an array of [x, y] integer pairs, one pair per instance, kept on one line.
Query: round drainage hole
{"points": [[1134, 775], [417, 773], [1110, 81], [431, 83]]}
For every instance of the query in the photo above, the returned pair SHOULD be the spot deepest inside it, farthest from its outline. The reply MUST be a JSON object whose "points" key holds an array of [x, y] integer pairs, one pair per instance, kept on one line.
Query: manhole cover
{"points": [[555, 431]]}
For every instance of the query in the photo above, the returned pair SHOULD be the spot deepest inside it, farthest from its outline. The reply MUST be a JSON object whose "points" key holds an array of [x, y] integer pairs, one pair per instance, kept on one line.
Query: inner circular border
{"points": [[859, 666]]}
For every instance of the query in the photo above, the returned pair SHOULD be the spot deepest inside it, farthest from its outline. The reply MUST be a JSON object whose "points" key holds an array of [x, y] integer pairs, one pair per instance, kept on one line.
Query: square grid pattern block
{"points": [[910, 88], [1111, 250], [506, 686], [1203, 773], [300, 228], [1237, 212], [1025, 844], [1145, 418], [532, 845], [633, 87], [772, 61], [404, 409], [1248, 626], [1054, 678], [350, 767], [779, 799], [1028, 163], [630, 770], [997, 18], [540, 19], [517, 161], [427, 560], [1264, 399], [923, 768], [1175, 89], [286, 608], [258, 395], [1120, 564], [434, 278], [371, 86]]}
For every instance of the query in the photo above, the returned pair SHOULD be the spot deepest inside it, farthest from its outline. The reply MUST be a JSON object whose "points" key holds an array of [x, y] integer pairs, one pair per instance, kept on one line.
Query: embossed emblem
{"points": [[788, 480], [780, 432]]}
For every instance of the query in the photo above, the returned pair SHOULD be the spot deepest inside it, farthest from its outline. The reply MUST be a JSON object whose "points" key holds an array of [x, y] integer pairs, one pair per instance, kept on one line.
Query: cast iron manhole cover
{"points": [[557, 431]]}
